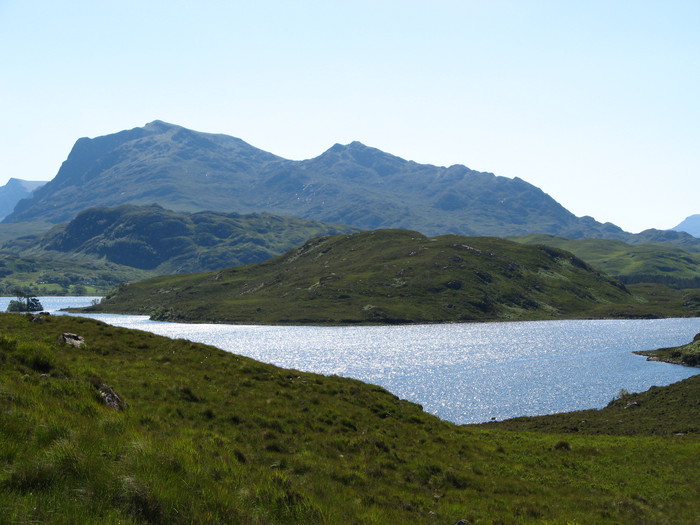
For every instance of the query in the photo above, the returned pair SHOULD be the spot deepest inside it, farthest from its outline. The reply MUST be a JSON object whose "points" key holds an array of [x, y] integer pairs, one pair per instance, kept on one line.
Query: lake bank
{"points": [[463, 372]]}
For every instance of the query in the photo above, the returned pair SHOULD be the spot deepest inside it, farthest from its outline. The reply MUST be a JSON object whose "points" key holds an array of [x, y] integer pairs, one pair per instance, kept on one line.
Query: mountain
{"points": [[14, 191], [385, 276], [185, 170], [690, 225], [106, 245]]}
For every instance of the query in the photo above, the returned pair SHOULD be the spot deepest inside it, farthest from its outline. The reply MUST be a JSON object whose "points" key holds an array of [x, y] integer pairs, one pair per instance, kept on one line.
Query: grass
{"points": [[63, 275], [662, 411], [650, 262], [102, 247], [211, 437], [397, 276]]}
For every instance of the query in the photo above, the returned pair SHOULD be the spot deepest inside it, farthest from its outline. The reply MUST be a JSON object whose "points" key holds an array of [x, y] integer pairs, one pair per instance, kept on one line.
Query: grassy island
{"points": [[110, 425], [398, 276]]}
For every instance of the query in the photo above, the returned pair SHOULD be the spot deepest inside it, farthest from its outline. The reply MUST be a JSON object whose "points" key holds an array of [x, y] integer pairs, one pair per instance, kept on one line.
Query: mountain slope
{"points": [[668, 410], [631, 263], [354, 184], [153, 238], [102, 246], [14, 191], [384, 276], [690, 225]]}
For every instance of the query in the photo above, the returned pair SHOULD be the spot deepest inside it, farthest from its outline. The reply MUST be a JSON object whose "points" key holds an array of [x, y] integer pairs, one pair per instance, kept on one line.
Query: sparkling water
{"points": [[465, 372]]}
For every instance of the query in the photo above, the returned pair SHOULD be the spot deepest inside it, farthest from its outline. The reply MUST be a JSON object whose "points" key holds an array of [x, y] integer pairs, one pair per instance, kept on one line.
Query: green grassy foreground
{"points": [[198, 435], [397, 276]]}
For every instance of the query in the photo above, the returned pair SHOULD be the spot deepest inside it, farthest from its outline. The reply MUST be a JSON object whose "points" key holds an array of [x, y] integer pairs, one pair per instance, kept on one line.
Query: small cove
{"points": [[465, 373]]}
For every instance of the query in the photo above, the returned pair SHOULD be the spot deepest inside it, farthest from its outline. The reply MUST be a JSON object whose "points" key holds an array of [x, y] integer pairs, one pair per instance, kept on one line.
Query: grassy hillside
{"points": [[663, 411], [135, 428], [63, 274], [12, 231], [667, 264], [390, 276], [102, 247], [153, 238]]}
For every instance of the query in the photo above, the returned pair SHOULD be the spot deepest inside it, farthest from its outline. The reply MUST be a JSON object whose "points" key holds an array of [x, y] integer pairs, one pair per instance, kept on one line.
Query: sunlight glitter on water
{"points": [[464, 373]]}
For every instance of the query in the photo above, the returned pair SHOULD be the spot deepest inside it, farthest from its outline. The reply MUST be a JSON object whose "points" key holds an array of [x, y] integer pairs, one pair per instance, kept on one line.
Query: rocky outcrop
{"points": [[71, 339]]}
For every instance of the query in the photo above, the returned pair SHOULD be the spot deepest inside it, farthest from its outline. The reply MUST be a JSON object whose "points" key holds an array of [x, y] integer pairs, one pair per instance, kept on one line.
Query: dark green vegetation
{"points": [[189, 171], [688, 355], [661, 259], [135, 428], [394, 276], [24, 303], [102, 247], [152, 238], [663, 411]]}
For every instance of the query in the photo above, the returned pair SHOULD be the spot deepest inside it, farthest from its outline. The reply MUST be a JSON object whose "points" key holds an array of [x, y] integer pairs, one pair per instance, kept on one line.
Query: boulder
{"points": [[111, 398], [71, 339]]}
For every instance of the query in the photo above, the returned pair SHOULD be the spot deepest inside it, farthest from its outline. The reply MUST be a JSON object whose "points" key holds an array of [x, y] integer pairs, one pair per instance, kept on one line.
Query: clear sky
{"points": [[595, 102]]}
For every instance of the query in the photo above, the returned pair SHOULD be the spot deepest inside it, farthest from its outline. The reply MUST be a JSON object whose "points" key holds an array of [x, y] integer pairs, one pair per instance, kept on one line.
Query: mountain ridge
{"points": [[353, 184]]}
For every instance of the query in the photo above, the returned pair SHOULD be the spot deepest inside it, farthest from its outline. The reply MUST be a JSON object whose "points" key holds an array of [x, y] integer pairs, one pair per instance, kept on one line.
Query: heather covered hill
{"points": [[388, 276], [186, 170]]}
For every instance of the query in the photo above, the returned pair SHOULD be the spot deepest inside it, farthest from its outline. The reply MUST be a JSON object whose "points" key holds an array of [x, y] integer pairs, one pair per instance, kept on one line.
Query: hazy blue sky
{"points": [[595, 102]]}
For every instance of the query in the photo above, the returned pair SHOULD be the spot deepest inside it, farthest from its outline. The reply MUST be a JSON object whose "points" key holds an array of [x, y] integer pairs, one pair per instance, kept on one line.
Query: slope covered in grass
{"points": [[63, 274], [668, 411], [102, 247], [387, 276], [164, 241], [649, 262], [135, 428]]}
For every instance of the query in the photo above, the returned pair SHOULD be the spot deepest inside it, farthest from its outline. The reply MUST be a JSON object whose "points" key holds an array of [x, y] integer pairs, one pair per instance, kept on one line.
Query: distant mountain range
{"points": [[14, 191], [690, 225], [353, 184]]}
